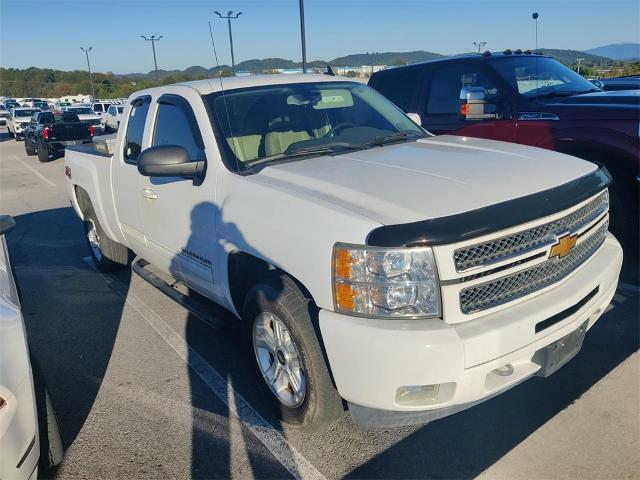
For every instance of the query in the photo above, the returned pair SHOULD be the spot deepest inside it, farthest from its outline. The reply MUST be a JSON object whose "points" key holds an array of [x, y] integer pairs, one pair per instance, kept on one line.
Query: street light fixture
{"points": [[230, 16], [86, 52], [153, 39], [479, 45]]}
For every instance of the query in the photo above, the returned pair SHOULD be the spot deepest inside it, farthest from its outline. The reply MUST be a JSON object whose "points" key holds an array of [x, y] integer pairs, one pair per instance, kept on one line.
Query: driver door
{"points": [[179, 214], [442, 104]]}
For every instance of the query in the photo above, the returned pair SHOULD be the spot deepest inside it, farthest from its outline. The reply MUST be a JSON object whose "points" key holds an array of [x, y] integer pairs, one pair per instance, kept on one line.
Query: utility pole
{"points": [[479, 45], [230, 16], [579, 62], [86, 52], [535, 16], [153, 39], [302, 37]]}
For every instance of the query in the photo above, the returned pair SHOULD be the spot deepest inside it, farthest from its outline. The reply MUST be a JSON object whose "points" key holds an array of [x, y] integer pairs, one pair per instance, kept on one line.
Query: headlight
{"points": [[385, 282]]}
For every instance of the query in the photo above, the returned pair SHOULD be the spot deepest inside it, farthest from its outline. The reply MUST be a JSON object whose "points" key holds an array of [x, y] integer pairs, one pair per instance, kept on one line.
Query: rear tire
{"points": [[43, 154], [303, 395], [108, 255]]}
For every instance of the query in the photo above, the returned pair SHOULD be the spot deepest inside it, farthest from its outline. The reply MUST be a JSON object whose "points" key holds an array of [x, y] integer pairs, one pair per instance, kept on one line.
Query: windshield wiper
{"points": [[332, 149], [393, 137]]}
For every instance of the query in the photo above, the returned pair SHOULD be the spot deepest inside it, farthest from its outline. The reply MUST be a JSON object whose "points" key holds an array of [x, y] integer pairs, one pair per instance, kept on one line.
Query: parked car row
{"points": [[370, 264]]}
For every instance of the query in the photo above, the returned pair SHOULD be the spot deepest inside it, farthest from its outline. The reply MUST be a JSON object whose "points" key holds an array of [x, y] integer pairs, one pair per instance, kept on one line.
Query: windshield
{"points": [[80, 110], [11, 105], [541, 76], [26, 113], [272, 123]]}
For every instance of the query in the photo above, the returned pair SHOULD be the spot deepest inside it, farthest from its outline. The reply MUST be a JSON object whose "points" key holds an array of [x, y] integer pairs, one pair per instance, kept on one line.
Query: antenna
{"points": [[224, 98]]}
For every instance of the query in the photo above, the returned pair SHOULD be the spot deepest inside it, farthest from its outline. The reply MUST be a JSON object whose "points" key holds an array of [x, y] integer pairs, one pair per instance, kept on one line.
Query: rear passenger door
{"points": [[442, 103], [179, 215]]}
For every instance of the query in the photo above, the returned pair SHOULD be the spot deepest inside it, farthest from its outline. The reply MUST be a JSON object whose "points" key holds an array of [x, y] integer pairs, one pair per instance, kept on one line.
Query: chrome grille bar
{"points": [[511, 287], [499, 249]]}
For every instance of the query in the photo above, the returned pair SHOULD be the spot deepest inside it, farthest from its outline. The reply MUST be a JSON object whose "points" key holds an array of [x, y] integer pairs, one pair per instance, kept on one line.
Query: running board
{"points": [[201, 307]]}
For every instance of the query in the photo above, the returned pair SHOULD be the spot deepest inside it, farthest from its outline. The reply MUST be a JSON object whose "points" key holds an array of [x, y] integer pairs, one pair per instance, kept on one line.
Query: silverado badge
{"points": [[563, 246]]}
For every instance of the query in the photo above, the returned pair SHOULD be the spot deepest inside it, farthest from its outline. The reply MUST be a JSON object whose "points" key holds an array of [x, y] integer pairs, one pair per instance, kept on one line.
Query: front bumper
{"points": [[370, 359]]}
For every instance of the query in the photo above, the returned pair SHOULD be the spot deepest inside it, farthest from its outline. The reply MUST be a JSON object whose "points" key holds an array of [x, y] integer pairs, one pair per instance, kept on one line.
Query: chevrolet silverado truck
{"points": [[531, 99], [369, 264], [48, 133]]}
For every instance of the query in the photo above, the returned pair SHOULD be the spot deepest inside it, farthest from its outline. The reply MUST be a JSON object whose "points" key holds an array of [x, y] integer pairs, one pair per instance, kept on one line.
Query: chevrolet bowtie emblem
{"points": [[564, 245]]}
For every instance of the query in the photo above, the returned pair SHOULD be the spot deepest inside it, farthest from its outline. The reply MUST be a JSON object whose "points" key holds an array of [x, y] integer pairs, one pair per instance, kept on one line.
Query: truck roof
{"points": [[212, 85], [486, 56]]}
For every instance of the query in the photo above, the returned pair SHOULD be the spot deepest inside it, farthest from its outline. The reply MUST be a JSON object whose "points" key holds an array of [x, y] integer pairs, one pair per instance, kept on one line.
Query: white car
{"points": [[19, 119], [367, 261], [86, 114], [27, 421], [113, 117], [4, 114], [100, 107]]}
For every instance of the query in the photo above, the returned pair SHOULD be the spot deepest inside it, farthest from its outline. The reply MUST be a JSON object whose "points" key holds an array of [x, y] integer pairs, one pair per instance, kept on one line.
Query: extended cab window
{"points": [[399, 86], [135, 129], [176, 125]]}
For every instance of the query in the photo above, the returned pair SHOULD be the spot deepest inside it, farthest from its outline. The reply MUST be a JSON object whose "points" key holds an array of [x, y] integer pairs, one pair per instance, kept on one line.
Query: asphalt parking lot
{"points": [[144, 389]]}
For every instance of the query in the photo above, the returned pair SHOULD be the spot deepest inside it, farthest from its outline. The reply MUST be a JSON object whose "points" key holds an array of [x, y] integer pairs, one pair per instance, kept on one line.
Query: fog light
{"points": [[504, 371], [417, 395]]}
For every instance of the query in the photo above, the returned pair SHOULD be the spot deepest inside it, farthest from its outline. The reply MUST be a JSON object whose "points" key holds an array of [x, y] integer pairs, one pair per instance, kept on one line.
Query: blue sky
{"points": [[270, 28]]}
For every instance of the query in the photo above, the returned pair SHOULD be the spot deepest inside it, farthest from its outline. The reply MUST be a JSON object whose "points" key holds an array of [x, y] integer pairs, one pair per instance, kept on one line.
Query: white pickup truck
{"points": [[410, 275]]}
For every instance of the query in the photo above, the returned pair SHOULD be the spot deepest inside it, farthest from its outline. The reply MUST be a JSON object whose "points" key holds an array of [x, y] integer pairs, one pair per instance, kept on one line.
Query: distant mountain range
{"points": [[618, 51], [568, 57]]}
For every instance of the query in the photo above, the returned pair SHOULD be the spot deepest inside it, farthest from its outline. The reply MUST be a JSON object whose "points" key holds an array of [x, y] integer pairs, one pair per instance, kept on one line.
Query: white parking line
{"points": [[238, 407], [42, 177]]}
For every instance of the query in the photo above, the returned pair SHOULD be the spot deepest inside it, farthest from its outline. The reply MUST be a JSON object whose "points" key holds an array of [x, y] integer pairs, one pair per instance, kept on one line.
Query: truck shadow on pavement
{"points": [[75, 349]]}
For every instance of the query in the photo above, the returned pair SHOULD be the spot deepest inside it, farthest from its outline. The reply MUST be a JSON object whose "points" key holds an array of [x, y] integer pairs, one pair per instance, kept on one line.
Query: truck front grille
{"points": [[511, 287], [499, 249]]}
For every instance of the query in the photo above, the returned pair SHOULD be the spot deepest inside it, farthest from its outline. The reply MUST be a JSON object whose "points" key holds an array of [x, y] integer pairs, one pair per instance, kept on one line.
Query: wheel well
{"points": [[245, 270], [83, 199]]}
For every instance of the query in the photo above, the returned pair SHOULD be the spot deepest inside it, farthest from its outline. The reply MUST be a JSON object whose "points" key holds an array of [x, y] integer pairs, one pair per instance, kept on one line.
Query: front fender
{"points": [[291, 231]]}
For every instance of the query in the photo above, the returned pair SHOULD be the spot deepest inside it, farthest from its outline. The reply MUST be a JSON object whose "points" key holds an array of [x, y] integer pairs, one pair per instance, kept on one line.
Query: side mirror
{"points": [[474, 105], [169, 161], [415, 118]]}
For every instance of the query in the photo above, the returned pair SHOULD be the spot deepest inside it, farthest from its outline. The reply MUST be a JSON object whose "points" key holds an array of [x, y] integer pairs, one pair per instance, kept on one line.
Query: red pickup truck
{"points": [[528, 98]]}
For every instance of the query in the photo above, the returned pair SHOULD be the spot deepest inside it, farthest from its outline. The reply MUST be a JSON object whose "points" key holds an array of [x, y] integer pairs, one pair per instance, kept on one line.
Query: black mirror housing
{"points": [[170, 161]]}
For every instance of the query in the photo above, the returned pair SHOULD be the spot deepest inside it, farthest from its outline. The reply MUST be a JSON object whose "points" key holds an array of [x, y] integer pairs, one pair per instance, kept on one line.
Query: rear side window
{"points": [[399, 86], [135, 129], [176, 125]]}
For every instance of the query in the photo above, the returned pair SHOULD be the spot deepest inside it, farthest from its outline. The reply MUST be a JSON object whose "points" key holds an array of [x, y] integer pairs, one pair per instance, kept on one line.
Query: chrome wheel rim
{"points": [[94, 239], [279, 359]]}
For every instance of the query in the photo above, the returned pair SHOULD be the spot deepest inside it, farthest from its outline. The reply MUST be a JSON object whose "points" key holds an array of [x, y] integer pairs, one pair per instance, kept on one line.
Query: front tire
{"points": [[29, 149], [108, 255], [280, 337]]}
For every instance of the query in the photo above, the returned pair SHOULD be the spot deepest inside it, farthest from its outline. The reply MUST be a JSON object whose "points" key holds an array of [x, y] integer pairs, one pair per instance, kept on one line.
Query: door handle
{"points": [[149, 193]]}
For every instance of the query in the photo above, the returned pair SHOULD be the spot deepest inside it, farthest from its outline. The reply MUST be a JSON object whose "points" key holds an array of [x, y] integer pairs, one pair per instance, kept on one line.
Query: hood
{"points": [[430, 178], [630, 98]]}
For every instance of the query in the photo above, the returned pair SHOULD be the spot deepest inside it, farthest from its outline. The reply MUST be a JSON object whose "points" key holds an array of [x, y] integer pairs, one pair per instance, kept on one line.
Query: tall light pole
{"points": [[86, 52], [302, 38], [230, 16], [535, 16], [479, 45], [153, 39], [579, 62]]}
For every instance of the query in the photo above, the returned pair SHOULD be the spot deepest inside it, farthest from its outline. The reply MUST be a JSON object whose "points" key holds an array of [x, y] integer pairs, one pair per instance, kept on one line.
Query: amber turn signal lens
{"points": [[344, 297], [343, 263], [464, 109]]}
